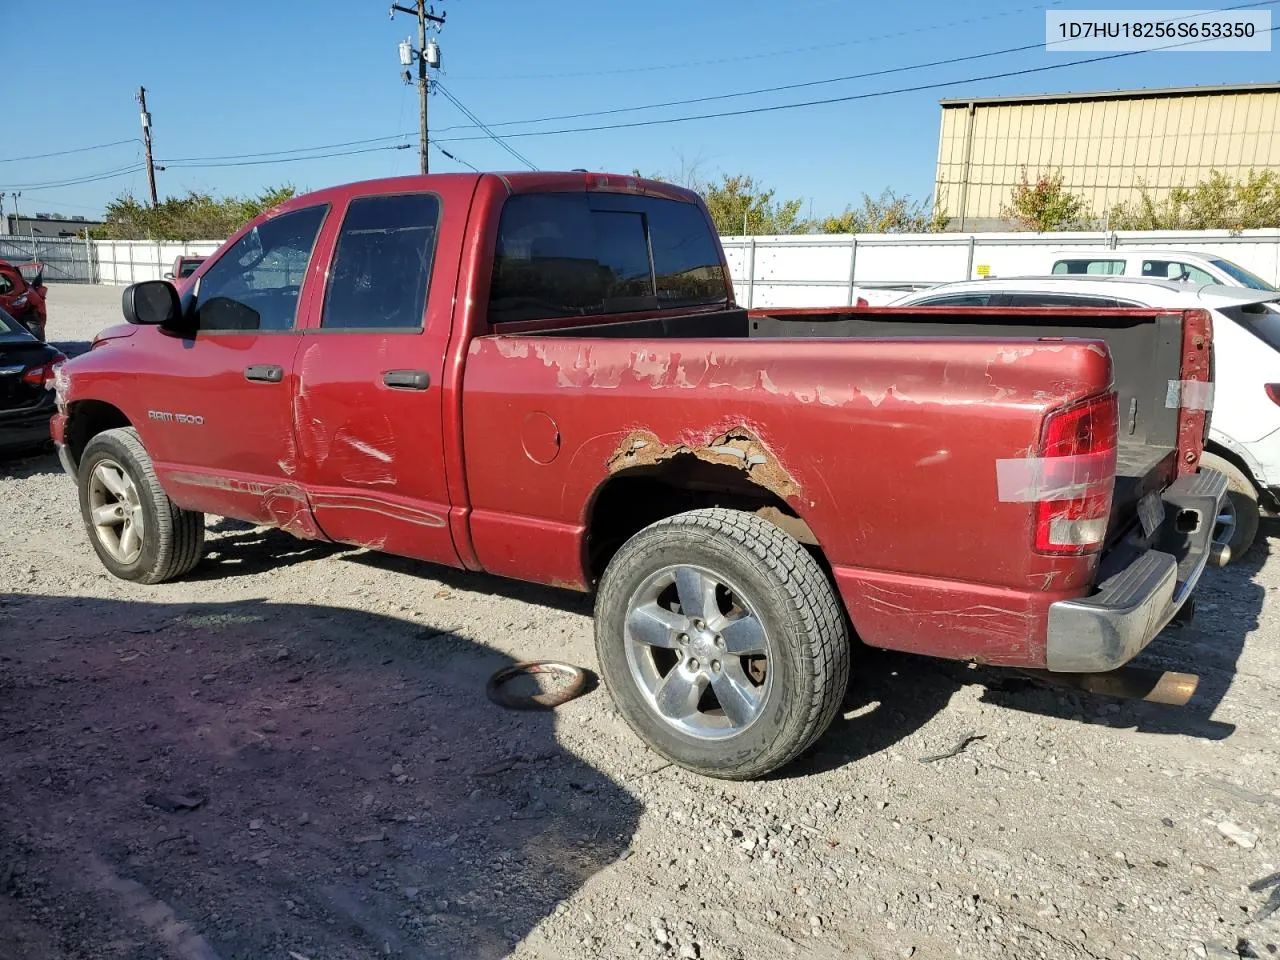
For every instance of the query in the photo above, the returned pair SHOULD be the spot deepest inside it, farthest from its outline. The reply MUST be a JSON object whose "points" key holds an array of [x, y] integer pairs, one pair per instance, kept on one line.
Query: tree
{"points": [[195, 216], [888, 213], [1218, 203], [737, 203], [1046, 205]]}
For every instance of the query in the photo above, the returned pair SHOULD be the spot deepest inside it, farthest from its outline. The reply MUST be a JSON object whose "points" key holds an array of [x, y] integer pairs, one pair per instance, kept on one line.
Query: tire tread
{"points": [[813, 605], [180, 532]]}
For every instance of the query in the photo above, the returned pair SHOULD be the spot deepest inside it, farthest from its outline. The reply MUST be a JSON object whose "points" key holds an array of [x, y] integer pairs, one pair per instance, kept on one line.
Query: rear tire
{"points": [[722, 641], [1237, 522], [138, 533]]}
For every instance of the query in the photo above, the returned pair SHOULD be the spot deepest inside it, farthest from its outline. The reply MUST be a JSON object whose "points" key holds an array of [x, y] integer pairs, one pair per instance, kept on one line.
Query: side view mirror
{"points": [[151, 303], [168, 274]]}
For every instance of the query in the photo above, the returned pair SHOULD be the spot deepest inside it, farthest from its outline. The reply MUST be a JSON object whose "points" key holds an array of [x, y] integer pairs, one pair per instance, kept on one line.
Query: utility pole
{"points": [[17, 215], [146, 140], [427, 55]]}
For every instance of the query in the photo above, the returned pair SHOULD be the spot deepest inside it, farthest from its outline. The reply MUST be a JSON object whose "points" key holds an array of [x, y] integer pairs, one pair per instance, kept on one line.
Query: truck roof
{"points": [[517, 182]]}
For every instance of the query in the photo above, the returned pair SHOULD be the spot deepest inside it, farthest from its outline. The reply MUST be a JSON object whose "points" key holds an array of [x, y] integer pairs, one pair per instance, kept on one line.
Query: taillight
{"points": [[42, 375], [1273, 391], [1077, 477]]}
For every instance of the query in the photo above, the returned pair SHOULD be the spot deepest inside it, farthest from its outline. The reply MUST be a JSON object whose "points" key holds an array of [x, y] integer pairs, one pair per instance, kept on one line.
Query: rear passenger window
{"points": [[382, 268], [959, 300], [1175, 270], [255, 284], [1105, 268], [578, 254], [1059, 300]]}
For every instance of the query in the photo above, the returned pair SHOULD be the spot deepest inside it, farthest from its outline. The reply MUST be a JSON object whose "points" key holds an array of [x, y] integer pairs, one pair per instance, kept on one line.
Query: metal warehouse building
{"points": [[1106, 144]]}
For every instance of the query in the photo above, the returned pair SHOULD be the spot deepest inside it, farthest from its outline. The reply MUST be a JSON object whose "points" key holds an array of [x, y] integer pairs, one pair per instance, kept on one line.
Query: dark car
{"points": [[26, 379]]}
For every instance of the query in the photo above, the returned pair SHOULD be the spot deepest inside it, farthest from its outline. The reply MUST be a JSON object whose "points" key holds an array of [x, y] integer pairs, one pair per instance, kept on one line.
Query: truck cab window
{"points": [[254, 285], [382, 269], [578, 254]]}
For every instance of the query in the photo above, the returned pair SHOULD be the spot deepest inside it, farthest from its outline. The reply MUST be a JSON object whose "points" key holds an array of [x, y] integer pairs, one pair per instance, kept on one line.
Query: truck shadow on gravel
{"points": [[893, 695], [234, 548], [1229, 606], [25, 464], [243, 780], [568, 601]]}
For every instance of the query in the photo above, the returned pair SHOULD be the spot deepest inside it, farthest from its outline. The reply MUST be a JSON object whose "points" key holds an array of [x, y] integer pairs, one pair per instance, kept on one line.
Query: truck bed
{"points": [[1145, 346]]}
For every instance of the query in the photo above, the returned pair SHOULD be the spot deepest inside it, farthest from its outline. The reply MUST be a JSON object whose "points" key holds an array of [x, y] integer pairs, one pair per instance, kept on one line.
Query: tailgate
{"points": [[1162, 363]]}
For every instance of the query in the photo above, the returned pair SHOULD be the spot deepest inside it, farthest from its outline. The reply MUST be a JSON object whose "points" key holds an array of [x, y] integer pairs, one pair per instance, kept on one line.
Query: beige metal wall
{"points": [[1104, 148]]}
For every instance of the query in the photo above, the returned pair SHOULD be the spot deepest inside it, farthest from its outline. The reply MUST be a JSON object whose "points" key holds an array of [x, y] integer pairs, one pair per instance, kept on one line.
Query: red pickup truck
{"points": [[546, 377]]}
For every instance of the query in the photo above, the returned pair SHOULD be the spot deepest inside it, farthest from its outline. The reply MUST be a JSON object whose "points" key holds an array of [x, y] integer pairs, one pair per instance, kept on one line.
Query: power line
{"points": [[795, 86], [272, 153], [254, 163], [73, 181], [477, 121], [773, 54], [759, 90], [748, 111], [63, 153], [473, 168]]}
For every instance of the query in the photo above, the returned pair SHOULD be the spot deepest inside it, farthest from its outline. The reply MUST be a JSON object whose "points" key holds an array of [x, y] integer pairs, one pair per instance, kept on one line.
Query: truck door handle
{"points": [[264, 372], [407, 379]]}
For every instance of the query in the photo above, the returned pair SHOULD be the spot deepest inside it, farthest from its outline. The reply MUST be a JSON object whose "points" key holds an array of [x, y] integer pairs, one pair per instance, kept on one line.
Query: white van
{"points": [[1244, 427], [1182, 266]]}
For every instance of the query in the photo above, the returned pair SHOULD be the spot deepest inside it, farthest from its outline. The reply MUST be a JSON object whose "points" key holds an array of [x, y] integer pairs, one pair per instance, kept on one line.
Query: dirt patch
{"points": [[332, 792]]}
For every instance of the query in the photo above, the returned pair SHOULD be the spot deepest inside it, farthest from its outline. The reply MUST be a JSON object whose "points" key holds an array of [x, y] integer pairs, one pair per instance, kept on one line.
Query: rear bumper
{"points": [[1135, 602], [27, 427]]}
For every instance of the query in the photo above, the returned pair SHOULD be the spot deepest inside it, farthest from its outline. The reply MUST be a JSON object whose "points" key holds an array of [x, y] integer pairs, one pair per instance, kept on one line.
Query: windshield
{"points": [[189, 267], [11, 328], [1241, 275]]}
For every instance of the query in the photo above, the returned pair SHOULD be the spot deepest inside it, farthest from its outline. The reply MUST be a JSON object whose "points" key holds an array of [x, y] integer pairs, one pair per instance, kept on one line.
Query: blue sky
{"points": [[234, 78]]}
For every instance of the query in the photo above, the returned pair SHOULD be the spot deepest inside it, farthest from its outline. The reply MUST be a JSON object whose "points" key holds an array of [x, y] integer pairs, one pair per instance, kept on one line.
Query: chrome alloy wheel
{"points": [[116, 510], [697, 652]]}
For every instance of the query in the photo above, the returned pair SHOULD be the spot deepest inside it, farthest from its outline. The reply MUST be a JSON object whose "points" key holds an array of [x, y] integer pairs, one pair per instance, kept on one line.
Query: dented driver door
{"points": [[219, 423], [367, 411]]}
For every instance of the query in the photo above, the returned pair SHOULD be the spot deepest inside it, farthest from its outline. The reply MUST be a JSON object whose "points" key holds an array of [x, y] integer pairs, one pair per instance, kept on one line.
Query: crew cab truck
{"points": [[546, 377]]}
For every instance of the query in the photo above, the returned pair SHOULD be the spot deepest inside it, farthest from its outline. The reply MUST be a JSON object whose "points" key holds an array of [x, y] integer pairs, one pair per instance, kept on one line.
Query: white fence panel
{"points": [[816, 271], [128, 261], [810, 271]]}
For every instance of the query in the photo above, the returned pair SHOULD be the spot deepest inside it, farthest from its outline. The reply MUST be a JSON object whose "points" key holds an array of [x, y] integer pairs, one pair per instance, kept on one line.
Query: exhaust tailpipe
{"points": [[1128, 683]]}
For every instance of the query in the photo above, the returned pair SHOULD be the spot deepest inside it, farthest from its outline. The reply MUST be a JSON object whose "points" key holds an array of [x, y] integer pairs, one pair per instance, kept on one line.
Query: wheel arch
{"points": [[629, 500], [1221, 446], [88, 418]]}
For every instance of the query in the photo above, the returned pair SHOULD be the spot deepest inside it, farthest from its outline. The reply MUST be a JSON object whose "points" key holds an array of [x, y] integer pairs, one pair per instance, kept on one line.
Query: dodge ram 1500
{"points": [[547, 377]]}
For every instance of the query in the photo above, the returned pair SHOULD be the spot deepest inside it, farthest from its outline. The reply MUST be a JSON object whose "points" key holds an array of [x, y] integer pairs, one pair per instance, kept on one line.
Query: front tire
{"points": [[1237, 522], [138, 533], [722, 642]]}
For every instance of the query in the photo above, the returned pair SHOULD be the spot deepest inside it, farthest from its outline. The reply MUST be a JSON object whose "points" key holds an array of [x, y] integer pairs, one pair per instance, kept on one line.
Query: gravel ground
{"points": [[289, 754]]}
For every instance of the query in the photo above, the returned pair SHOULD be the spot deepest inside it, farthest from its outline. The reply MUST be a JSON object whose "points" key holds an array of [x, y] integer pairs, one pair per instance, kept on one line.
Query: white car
{"points": [[1244, 430], [1183, 266]]}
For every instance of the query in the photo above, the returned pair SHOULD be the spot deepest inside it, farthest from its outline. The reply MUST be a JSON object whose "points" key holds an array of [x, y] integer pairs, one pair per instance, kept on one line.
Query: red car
{"points": [[545, 376], [184, 267], [23, 298]]}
